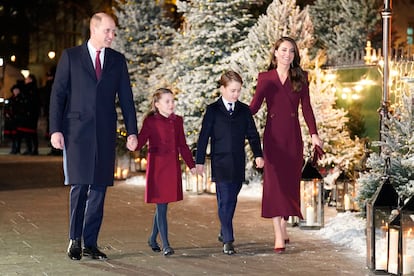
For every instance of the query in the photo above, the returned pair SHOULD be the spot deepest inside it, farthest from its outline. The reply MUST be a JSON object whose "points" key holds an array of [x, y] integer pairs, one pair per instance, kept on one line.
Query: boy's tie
{"points": [[230, 108]]}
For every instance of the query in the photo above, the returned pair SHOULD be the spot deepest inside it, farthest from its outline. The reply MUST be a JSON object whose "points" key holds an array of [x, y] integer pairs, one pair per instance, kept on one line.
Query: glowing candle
{"points": [[393, 252], [347, 202], [310, 216]]}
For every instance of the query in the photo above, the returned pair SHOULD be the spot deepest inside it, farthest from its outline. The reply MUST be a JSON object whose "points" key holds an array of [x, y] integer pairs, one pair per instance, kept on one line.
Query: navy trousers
{"points": [[227, 193], [86, 212]]}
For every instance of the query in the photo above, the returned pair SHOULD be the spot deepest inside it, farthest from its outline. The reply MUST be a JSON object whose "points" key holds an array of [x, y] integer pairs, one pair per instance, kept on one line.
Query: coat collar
{"points": [[88, 64]]}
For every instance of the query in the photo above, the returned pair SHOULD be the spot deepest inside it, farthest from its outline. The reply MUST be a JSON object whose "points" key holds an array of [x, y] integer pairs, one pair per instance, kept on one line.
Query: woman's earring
{"points": [[291, 65]]}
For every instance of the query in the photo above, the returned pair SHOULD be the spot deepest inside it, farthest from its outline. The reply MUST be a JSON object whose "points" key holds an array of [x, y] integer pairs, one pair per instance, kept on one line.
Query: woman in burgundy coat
{"points": [[166, 141], [283, 87]]}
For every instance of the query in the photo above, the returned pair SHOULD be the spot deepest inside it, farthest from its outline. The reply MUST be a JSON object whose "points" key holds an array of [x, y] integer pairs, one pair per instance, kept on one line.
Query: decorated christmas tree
{"points": [[343, 26], [209, 32], [142, 36]]}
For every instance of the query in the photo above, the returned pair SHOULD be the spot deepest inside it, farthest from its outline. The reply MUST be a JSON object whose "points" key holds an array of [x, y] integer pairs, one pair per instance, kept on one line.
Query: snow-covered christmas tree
{"points": [[343, 26], [210, 30], [397, 140], [142, 36], [342, 152]]}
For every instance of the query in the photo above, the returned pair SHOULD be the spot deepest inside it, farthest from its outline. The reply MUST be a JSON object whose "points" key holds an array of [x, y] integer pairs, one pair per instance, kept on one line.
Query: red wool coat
{"points": [[166, 141]]}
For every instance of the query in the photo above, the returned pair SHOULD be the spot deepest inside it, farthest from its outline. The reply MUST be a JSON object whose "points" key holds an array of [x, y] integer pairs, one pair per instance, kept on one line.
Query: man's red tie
{"points": [[98, 68]]}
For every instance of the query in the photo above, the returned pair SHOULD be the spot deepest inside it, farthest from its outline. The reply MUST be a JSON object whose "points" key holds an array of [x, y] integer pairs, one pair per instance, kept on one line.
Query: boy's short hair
{"points": [[229, 76]]}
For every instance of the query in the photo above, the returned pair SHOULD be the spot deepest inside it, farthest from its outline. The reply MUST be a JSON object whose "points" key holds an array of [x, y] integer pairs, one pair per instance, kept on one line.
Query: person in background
{"points": [[83, 123], [284, 86], [31, 92], [13, 114], [164, 132], [228, 123]]}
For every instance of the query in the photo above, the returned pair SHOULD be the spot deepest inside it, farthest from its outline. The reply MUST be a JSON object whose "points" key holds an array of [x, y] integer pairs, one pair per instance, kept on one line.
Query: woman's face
{"points": [[231, 92], [165, 104], [285, 53]]}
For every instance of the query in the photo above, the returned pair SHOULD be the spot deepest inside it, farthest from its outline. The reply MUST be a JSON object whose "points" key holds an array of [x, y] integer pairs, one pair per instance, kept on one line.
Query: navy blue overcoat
{"points": [[83, 109]]}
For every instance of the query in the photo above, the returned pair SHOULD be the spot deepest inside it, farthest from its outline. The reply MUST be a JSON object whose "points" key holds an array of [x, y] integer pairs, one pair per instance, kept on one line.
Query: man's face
{"points": [[103, 33]]}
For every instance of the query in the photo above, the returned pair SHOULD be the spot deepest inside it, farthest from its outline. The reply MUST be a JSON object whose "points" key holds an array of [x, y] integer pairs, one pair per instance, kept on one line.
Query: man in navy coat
{"points": [[228, 123], [83, 122]]}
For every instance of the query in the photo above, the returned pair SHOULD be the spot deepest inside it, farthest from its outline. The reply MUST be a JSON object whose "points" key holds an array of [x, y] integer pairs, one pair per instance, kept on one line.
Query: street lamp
{"points": [[386, 34]]}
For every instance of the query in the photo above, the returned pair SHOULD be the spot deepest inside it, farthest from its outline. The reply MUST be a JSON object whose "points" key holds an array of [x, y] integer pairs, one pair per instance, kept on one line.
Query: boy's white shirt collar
{"points": [[227, 102]]}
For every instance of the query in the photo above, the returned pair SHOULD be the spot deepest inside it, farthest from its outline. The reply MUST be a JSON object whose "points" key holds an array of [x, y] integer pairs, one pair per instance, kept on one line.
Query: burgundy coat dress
{"points": [[166, 141], [282, 143]]}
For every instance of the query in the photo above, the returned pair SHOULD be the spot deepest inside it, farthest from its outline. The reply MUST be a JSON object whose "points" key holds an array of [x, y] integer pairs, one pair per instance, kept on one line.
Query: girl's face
{"points": [[231, 92], [165, 105], [285, 53]]}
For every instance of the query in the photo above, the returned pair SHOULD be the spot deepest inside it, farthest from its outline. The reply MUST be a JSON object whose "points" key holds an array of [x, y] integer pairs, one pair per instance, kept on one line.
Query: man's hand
{"points": [[132, 142], [57, 140]]}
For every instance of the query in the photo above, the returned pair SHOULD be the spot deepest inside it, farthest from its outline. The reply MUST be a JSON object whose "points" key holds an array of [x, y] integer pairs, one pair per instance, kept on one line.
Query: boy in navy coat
{"points": [[228, 123]]}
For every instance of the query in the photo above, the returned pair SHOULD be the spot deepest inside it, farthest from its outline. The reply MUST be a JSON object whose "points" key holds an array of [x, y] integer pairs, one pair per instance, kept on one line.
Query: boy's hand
{"points": [[199, 169], [259, 162]]}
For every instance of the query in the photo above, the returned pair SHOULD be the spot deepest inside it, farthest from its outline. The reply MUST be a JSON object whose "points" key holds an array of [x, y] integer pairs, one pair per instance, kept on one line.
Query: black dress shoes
{"points": [[75, 250], [94, 253], [228, 248], [220, 237], [154, 246], [168, 251]]}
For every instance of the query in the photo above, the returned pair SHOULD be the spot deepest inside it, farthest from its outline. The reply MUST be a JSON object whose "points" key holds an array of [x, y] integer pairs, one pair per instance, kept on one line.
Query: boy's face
{"points": [[231, 92]]}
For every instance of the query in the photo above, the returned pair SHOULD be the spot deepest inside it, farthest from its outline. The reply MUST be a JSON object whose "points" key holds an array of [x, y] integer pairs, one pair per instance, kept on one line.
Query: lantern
{"points": [[210, 186], [344, 193], [193, 182], [379, 209], [400, 241], [122, 166], [311, 198]]}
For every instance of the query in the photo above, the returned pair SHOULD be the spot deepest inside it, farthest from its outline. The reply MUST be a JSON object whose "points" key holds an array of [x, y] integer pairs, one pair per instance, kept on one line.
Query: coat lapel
{"points": [[87, 61]]}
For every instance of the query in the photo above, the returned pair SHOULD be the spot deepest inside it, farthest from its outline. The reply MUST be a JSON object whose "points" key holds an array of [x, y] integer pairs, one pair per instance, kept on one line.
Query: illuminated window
{"points": [[410, 34]]}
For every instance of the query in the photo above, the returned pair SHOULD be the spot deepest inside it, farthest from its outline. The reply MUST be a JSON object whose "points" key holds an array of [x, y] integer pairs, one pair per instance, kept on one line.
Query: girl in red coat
{"points": [[164, 132]]}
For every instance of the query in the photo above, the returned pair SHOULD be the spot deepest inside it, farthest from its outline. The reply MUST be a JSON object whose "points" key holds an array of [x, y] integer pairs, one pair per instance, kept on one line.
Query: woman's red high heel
{"points": [[279, 250]]}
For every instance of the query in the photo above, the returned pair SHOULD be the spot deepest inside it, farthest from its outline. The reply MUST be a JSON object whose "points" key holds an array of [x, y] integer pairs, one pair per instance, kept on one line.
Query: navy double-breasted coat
{"points": [[228, 134], [83, 109]]}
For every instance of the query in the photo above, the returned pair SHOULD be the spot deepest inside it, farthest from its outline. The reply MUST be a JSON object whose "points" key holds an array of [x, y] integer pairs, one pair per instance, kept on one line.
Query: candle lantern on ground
{"points": [[344, 193], [401, 241], [311, 198], [193, 182], [379, 209], [122, 166], [210, 186]]}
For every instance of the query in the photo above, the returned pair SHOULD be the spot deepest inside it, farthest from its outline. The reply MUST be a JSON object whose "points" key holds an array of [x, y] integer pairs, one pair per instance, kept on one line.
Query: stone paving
{"points": [[34, 222]]}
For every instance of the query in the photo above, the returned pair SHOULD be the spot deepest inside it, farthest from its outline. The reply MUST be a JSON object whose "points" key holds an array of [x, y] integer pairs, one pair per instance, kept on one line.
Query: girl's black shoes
{"points": [[154, 246]]}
